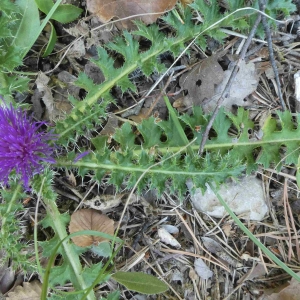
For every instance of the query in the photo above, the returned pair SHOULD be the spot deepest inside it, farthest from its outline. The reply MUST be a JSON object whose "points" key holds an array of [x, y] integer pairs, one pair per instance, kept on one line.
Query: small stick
{"points": [[262, 6], [228, 85]]}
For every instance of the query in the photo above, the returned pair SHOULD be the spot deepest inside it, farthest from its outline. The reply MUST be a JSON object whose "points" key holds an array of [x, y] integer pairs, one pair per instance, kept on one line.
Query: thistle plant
{"points": [[24, 147], [160, 156]]}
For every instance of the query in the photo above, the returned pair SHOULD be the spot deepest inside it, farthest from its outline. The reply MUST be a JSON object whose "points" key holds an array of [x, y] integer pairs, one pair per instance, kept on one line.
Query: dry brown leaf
{"points": [[202, 80], [29, 290], [7, 278], [140, 117], [108, 9], [90, 219], [291, 292], [43, 87], [110, 127], [216, 248], [186, 2], [244, 84]]}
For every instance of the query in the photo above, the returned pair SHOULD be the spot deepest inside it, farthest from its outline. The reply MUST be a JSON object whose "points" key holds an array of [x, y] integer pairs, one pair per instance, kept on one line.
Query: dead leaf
{"points": [[71, 178], [77, 50], [167, 238], [171, 229], [186, 2], [90, 219], [7, 278], [108, 9], [202, 80], [291, 292], [111, 125], [202, 269], [245, 82], [214, 247], [42, 86], [256, 272], [29, 290], [205, 84], [143, 114], [94, 72], [81, 28]]}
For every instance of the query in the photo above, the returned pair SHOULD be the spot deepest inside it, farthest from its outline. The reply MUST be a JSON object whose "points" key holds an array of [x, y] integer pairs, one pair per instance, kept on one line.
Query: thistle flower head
{"points": [[23, 147]]}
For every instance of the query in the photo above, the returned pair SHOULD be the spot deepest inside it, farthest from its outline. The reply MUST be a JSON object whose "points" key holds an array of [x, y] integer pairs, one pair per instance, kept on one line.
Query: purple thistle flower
{"points": [[22, 147]]}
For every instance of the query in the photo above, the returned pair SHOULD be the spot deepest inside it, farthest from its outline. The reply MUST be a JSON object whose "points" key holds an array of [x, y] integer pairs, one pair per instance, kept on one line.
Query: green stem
{"points": [[44, 23], [73, 258], [158, 170], [254, 239], [11, 205]]}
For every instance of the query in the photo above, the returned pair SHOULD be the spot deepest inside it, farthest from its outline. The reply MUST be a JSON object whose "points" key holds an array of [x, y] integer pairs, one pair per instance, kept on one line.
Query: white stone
{"points": [[245, 198]]}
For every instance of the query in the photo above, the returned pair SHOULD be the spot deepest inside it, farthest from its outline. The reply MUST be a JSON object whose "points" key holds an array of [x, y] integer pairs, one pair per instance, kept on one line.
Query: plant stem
{"points": [[12, 203], [45, 21], [254, 239], [73, 258]]}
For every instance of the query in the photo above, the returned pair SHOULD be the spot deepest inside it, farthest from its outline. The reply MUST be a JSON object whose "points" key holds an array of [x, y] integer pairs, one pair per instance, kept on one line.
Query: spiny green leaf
{"points": [[60, 275], [125, 137], [91, 273], [226, 153], [148, 61], [151, 133]]}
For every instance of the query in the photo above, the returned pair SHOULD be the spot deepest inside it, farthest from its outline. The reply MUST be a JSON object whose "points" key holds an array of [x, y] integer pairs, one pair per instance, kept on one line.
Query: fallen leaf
{"points": [[81, 28], [171, 229], [71, 178], [143, 114], [7, 278], [42, 86], [214, 247], [291, 292], [202, 80], [202, 269], [245, 82], [77, 50], [167, 238], [256, 272], [108, 9], [111, 125], [29, 290], [90, 219]]}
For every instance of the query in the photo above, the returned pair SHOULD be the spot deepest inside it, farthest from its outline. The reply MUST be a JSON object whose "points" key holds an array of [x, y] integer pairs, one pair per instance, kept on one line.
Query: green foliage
{"points": [[140, 282], [112, 296], [20, 27], [11, 240], [147, 61], [52, 41], [65, 13], [160, 158], [18, 21], [226, 154]]}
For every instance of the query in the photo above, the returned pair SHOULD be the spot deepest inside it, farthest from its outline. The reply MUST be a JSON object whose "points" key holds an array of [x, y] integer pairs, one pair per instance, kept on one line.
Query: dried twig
{"points": [[262, 5], [227, 88]]}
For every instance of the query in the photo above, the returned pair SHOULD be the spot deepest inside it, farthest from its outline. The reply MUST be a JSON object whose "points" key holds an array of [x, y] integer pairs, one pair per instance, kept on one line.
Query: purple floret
{"points": [[23, 147]]}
